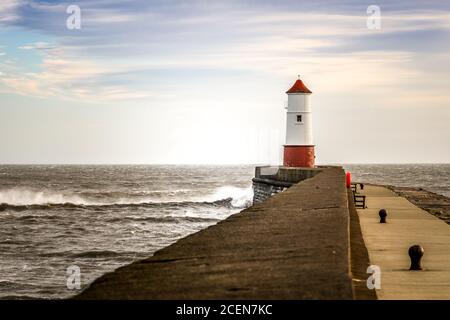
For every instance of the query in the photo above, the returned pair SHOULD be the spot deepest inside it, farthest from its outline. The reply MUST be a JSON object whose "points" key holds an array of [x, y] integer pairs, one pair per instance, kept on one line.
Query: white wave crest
{"points": [[21, 197], [240, 197]]}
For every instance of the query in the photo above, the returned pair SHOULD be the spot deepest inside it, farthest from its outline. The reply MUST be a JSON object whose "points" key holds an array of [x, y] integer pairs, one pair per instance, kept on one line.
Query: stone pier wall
{"points": [[271, 180], [262, 191]]}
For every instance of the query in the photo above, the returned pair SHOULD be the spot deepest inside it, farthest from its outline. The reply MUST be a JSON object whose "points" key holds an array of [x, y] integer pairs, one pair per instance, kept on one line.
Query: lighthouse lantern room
{"points": [[299, 147]]}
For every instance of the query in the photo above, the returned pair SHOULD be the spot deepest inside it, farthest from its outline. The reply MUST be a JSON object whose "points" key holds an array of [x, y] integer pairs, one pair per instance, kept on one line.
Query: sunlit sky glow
{"points": [[204, 81]]}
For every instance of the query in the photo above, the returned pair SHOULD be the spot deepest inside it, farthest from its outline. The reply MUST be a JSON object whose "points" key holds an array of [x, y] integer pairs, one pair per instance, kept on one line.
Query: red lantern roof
{"points": [[298, 87]]}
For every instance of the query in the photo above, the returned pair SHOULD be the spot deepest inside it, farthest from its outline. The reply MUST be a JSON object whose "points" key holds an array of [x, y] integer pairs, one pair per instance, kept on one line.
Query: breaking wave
{"points": [[23, 199]]}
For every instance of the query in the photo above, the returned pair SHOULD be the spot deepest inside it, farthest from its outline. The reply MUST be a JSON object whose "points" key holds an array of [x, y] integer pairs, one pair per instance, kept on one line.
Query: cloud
{"points": [[72, 79], [37, 46], [125, 45], [8, 12]]}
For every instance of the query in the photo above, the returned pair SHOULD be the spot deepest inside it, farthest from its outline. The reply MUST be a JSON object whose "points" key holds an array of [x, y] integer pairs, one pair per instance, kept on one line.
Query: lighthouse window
{"points": [[299, 118]]}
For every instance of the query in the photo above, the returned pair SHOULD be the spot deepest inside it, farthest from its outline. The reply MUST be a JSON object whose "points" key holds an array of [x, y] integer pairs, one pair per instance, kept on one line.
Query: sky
{"points": [[203, 82]]}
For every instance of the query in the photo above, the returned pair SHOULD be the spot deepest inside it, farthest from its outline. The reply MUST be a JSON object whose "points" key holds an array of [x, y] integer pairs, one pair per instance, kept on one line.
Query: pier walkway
{"points": [[388, 245]]}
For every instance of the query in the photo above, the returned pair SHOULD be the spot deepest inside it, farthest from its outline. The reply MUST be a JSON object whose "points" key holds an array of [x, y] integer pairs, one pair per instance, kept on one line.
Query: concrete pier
{"points": [[306, 242], [295, 245], [388, 245]]}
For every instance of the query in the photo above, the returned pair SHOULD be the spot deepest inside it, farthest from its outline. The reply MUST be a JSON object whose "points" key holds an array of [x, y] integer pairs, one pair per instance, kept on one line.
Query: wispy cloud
{"points": [[71, 79], [8, 9], [37, 46], [123, 45]]}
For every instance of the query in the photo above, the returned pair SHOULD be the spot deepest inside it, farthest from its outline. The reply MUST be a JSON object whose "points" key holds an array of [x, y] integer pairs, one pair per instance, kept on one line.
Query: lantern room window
{"points": [[299, 118]]}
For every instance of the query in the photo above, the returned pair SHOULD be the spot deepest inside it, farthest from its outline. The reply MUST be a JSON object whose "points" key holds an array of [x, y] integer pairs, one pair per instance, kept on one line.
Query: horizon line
{"points": [[214, 164]]}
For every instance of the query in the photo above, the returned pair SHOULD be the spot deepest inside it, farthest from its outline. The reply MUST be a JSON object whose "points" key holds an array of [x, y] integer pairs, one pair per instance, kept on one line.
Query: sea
{"points": [[55, 219], [431, 177]]}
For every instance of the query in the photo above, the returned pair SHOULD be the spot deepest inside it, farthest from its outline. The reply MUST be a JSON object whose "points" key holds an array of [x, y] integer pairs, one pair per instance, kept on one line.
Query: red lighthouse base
{"points": [[299, 156]]}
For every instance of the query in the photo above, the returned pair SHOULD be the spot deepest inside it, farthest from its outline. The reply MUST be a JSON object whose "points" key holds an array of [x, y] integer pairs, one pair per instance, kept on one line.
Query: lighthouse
{"points": [[299, 147]]}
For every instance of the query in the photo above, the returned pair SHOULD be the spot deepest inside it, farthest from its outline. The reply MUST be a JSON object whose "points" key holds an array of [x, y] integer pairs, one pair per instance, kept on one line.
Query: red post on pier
{"points": [[349, 179]]}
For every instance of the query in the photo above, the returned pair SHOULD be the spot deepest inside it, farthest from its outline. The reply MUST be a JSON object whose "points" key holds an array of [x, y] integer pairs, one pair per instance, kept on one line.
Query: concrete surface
{"points": [[388, 245]]}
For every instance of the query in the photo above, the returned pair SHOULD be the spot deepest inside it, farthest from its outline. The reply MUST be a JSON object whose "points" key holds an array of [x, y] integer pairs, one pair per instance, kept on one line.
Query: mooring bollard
{"points": [[416, 253], [383, 214]]}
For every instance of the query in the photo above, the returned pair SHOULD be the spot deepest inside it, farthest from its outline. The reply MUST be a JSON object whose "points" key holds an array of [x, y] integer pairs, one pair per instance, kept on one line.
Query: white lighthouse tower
{"points": [[299, 147]]}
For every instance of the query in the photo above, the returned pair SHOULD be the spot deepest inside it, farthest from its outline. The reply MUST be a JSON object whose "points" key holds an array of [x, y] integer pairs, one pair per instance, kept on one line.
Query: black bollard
{"points": [[383, 214], [415, 253], [362, 186]]}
